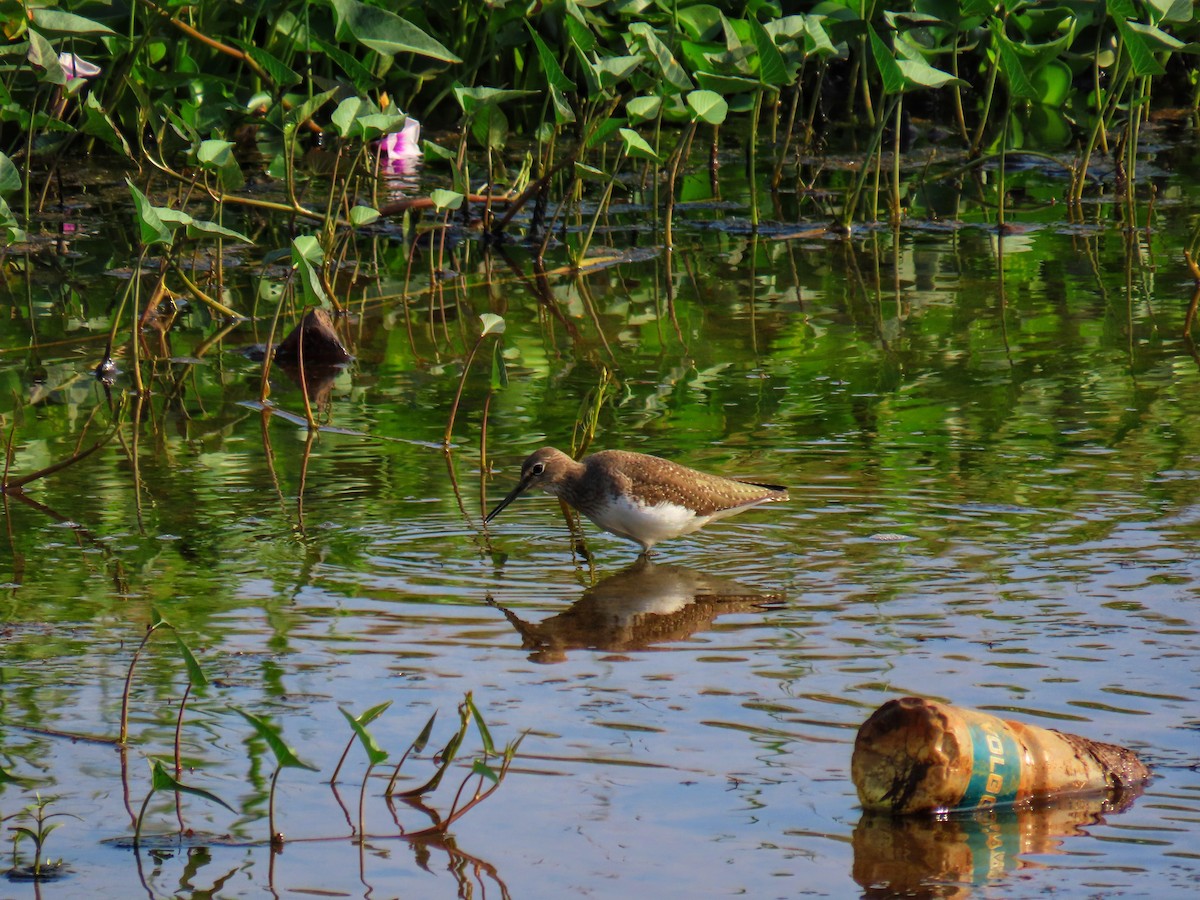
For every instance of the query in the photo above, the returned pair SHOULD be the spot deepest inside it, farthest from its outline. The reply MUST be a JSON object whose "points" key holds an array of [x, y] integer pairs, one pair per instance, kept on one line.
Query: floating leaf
{"points": [[363, 215]]}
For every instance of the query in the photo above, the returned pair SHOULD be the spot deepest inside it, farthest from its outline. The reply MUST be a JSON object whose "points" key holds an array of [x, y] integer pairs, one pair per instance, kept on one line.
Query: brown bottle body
{"points": [[915, 755]]}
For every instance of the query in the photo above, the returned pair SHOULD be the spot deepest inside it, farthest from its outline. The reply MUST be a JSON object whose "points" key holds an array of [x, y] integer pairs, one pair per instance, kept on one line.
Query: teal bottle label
{"points": [[996, 772]]}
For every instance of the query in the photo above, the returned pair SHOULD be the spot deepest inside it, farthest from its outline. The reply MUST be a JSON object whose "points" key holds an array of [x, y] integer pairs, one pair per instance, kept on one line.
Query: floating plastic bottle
{"points": [[915, 755]]}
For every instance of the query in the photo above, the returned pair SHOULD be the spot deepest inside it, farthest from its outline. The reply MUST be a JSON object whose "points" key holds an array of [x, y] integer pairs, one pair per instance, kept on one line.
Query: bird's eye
{"points": [[538, 469]]}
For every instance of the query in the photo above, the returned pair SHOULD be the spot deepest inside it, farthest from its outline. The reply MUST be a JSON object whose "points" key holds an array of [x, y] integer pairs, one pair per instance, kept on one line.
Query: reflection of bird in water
{"points": [[639, 497], [643, 605]]}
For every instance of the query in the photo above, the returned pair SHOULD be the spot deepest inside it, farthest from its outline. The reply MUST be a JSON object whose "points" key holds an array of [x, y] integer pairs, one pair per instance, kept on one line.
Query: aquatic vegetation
{"points": [[711, 231], [37, 832]]}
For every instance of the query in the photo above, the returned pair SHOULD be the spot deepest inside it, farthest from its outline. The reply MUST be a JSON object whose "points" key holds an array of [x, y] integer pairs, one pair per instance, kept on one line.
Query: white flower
{"points": [[77, 67]]}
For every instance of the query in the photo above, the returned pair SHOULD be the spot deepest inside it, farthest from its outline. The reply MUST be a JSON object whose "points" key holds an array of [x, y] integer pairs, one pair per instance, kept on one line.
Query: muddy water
{"points": [[994, 461]]}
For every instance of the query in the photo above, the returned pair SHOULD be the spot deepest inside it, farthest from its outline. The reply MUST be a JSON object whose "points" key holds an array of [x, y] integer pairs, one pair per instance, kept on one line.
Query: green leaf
{"points": [[583, 170], [358, 73], [549, 63], [1012, 68], [199, 227], [472, 99], [60, 22], [726, 84], [162, 780], [492, 324], [641, 109], [372, 126], [306, 256], [499, 379], [279, 72], [484, 734], [563, 114], [635, 145], [670, 69], [612, 70], [889, 70], [771, 68], [1140, 54], [214, 154], [385, 32], [489, 125], [1157, 40], [918, 73], [1052, 82], [375, 754], [347, 111], [1170, 10], [306, 110], [604, 131], [44, 56], [363, 215], [581, 35], [173, 219], [10, 176], [285, 756], [308, 248], [701, 22], [708, 106], [195, 674], [444, 199], [151, 229], [96, 122], [479, 767], [423, 738], [370, 715]]}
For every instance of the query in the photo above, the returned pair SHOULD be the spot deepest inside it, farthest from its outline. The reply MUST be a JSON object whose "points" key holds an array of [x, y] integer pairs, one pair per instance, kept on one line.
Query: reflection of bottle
{"points": [[945, 856], [914, 755]]}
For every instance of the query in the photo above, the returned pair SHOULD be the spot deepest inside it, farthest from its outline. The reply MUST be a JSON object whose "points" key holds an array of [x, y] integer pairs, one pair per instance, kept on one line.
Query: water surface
{"points": [[993, 454]]}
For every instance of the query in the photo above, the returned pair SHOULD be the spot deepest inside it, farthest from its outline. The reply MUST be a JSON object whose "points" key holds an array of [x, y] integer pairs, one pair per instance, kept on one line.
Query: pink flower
{"points": [[77, 67], [400, 150], [403, 144]]}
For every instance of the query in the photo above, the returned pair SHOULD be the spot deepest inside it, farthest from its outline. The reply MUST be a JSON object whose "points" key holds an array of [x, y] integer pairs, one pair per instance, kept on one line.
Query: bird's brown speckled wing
{"points": [[653, 480]]}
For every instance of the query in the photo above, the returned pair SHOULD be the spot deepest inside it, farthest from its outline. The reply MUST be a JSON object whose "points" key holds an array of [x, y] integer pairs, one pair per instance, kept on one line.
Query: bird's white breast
{"points": [[648, 523]]}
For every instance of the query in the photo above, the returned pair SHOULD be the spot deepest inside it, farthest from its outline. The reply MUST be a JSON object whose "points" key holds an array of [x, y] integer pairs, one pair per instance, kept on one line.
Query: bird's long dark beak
{"points": [[512, 495]]}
